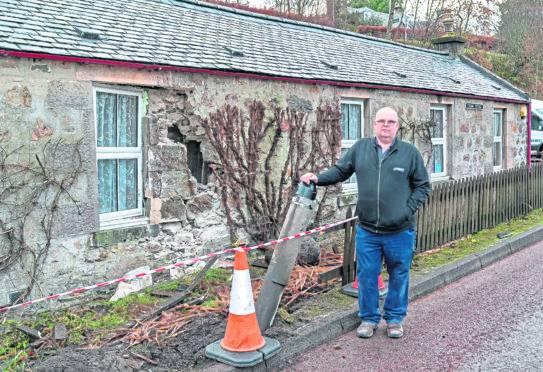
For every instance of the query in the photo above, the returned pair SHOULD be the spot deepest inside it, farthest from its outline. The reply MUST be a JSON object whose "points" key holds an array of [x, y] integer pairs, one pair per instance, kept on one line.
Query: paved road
{"points": [[489, 321]]}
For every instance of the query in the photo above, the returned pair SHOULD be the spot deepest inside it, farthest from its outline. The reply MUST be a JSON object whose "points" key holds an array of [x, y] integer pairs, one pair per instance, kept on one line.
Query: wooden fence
{"points": [[459, 208]]}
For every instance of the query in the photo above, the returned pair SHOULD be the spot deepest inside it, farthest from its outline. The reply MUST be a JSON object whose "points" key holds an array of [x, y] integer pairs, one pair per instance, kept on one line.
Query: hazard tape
{"points": [[192, 260]]}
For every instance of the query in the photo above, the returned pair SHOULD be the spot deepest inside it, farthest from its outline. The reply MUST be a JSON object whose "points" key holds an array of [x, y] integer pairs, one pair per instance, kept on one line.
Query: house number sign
{"points": [[474, 106]]}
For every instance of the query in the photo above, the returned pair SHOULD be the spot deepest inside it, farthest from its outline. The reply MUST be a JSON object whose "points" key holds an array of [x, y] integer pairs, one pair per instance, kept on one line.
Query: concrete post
{"points": [[285, 254]]}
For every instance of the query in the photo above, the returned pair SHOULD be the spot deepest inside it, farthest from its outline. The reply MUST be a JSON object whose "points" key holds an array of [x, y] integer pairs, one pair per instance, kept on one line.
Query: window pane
{"points": [[437, 117], [497, 154], [107, 185], [128, 184], [437, 159], [128, 121], [354, 122], [106, 116], [497, 124], [345, 121]]}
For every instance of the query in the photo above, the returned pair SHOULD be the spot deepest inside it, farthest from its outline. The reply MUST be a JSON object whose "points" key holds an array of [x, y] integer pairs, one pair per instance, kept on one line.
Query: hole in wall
{"points": [[195, 161], [175, 135]]}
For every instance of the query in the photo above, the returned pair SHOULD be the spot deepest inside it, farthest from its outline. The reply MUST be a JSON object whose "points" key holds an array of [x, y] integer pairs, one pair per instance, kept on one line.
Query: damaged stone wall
{"points": [[47, 100]]}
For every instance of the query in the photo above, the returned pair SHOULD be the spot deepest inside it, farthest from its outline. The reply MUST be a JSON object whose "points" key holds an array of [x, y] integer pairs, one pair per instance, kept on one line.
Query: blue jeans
{"points": [[397, 249]]}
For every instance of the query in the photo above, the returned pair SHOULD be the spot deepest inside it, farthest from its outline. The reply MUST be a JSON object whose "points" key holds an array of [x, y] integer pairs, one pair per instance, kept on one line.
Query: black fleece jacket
{"points": [[390, 190]]}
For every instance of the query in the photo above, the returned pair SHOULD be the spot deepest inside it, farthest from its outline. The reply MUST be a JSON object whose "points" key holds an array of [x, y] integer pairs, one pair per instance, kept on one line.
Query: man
{"points": [[392, 184]]}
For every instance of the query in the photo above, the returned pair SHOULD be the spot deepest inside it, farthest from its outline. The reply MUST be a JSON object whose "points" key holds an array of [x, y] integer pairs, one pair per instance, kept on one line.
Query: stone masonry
{"points": [[45, 101]]}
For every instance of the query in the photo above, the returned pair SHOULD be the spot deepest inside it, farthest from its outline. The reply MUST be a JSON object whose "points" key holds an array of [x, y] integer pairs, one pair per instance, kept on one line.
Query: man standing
{"points": [[392, 184]]}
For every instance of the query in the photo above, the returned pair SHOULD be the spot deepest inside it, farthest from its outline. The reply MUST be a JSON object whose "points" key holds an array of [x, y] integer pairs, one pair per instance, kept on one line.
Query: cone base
{"points": [[243, 359], [350, 290]]}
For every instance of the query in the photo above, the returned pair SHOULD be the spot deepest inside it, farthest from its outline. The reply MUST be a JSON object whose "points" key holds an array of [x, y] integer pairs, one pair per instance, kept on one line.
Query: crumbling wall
{"points": [[45, 102]]}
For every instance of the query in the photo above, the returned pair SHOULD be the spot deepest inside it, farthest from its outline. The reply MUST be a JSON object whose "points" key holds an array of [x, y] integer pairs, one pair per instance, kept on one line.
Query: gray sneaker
{"points": [[365, 329], [394, 330]]}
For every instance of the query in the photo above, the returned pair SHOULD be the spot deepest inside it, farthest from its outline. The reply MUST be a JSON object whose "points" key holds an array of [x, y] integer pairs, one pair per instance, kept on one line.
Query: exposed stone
{"points": [[125, 262], [215, 238], [310, 251], [184, 237], [174, 183], [200, 203], [123, 290], [59, 332], [133, 285], [18, 96], [206, 220], [300, 104], [171, 228], [95, 255], [168, 158], [174, 209], [41, 131]]}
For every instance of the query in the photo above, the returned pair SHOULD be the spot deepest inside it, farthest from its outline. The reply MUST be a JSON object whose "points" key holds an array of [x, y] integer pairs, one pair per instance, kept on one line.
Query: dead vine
{"points": [[258, 171], [30, 195], [419, 133]]}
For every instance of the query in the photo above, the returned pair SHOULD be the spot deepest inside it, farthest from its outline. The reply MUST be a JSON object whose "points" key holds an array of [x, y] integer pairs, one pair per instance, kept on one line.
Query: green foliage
{"points": [[377, 5], [218, 274]]}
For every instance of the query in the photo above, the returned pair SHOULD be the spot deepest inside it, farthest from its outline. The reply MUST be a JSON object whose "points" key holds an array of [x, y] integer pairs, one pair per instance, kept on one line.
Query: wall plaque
{"points": [[474, 106]]}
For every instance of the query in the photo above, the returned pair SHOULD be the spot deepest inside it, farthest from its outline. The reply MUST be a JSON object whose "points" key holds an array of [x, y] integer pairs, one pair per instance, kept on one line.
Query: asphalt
{"points": [[335, 324]]}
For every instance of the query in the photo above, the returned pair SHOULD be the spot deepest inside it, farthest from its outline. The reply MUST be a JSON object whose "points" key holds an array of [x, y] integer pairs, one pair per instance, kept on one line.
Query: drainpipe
{"points": [[529, 114]]}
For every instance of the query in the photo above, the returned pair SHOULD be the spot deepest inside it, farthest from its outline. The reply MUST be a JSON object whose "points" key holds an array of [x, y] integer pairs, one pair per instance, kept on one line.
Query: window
{"points": [[497, 143], [438, 161], [118, 153], [352, 128]]}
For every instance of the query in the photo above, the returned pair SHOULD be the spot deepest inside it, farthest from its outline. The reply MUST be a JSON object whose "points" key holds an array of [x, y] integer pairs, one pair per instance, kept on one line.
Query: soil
{"points": [[181, 353], [184, 352]]}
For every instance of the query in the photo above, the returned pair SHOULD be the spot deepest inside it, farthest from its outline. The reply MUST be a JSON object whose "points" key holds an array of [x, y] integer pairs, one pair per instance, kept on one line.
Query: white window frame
{"points": [[441, 141], [352, 188], [122, 218], [497, 139]]}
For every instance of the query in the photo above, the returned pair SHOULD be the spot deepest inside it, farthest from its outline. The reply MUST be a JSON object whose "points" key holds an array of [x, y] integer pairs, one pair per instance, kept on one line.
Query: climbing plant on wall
{"points": [[31, 192], [262, 153], [418, 131]]}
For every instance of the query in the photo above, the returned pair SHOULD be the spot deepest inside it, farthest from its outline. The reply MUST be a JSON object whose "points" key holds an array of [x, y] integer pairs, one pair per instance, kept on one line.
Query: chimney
{"points": [[450, 41]]}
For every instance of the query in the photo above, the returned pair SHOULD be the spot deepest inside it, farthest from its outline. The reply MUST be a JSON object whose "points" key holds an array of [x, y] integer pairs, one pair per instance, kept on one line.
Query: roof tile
{"points": [[192, 34]]}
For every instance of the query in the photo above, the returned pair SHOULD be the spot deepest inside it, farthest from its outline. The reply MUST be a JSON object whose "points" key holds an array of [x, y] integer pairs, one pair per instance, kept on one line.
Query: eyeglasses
{"points": [[388, 123]]}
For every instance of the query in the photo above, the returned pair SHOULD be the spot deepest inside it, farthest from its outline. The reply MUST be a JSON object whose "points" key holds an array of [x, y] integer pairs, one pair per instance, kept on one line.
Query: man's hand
{"points": [[308, 177]]}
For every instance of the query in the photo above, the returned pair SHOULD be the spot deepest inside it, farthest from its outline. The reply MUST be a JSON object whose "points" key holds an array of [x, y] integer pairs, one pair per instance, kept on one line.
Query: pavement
{"points": [[330, 326]]}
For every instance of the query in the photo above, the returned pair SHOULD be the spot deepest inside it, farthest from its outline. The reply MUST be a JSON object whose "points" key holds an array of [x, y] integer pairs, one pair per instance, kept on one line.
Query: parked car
{"points": [[536, 143]]}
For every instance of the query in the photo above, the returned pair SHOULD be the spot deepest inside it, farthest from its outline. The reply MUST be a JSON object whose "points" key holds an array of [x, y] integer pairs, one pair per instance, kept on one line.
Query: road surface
{"points": [[489, 321]]}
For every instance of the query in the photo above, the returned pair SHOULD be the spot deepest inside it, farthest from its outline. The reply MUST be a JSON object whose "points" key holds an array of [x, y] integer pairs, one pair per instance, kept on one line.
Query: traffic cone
{"points": [[242, 331], [380, 280], [243, 344], [351, 289]]}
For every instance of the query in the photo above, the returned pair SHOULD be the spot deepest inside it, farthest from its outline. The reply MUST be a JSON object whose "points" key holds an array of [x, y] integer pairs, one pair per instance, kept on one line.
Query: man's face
{"points": [[386, 125]]}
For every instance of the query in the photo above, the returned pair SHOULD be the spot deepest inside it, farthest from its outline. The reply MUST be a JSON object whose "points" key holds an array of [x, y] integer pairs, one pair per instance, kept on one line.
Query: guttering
{"points": [[241, 74]]}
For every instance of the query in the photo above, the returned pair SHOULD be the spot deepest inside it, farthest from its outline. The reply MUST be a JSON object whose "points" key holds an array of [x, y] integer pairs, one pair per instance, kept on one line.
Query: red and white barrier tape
{"points": [[179, 264]]}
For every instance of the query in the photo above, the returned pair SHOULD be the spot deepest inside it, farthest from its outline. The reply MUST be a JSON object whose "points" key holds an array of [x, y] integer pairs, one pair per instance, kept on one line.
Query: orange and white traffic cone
{"points": [[242, 331], [243, 344], [352, 288], [380, 280]]}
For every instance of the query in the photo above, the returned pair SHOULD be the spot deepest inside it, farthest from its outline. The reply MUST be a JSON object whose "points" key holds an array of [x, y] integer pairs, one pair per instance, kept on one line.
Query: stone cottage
{"points": [[105, 161]]}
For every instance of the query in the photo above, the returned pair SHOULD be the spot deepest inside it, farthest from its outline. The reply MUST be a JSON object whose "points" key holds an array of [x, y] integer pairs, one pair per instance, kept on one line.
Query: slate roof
{"points": [[205, 36]]}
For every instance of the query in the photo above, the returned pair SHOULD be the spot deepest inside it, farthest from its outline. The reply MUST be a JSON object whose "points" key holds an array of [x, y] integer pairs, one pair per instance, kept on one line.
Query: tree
{"points": [[300, 7], [477, 16], [390, 18], [522, 28]]}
